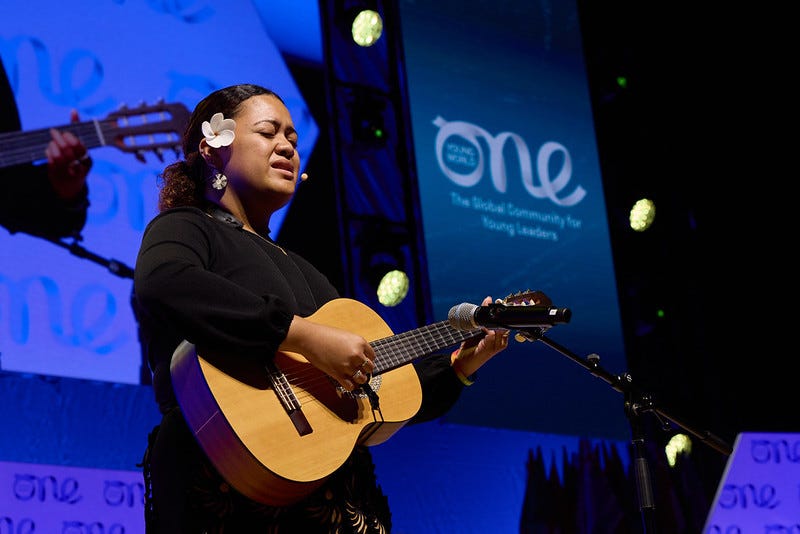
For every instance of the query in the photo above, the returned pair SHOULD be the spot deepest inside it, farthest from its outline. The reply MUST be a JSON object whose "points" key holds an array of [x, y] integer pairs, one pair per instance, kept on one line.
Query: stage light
{"points": [[385, 272], [678, 444], [383, 247], [392, 287], [642, 214], [367, 27]]}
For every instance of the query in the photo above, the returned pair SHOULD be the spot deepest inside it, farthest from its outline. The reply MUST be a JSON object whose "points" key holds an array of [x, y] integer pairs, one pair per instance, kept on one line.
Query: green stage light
{"points": [[367, 27], [642, 214], [393, 287]]}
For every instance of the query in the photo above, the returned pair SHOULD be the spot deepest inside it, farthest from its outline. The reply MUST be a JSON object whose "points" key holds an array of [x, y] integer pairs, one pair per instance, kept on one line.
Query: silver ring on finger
{"points": [[357, 374]]}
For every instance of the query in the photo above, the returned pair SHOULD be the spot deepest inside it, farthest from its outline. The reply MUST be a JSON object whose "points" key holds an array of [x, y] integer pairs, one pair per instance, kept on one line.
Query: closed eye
{"points": [[292, 140]]}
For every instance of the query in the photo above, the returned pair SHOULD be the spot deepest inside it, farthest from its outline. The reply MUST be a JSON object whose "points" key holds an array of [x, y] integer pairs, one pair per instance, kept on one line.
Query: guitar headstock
{"points": [[526, 298], [154, 128]]}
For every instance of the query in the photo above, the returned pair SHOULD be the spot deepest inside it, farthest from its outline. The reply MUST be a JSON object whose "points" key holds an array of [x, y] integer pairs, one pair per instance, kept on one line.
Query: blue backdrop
{"points": [[512, 199]]}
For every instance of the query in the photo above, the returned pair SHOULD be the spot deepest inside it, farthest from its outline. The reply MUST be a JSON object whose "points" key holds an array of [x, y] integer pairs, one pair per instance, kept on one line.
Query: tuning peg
{"points": [[139, 156], [159, 154]]}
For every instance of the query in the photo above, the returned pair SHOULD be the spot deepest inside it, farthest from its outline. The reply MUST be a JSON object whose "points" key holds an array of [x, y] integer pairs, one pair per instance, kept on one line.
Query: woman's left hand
{"points": [[475, 352], [68, 162]]}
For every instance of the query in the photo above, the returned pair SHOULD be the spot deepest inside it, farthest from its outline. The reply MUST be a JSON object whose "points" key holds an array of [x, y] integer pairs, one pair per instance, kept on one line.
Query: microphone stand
{"points": [[637, 403], [114, 266]]}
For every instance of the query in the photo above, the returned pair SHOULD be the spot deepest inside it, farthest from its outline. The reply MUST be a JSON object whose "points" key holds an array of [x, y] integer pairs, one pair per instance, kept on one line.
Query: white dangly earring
{"points": [[219, 181]]}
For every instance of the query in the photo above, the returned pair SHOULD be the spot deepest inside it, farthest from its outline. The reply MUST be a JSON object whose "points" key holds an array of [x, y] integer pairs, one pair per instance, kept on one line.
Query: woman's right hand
{"points": [[344, 356]]}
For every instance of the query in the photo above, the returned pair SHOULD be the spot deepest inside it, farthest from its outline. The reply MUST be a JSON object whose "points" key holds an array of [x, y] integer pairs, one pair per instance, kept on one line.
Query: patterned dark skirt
{"points": [[186, 495]]}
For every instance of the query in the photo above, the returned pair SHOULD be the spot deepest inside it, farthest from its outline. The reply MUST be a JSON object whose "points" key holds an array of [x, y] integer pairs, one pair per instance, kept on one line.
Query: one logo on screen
{"points": [[461, 159]]}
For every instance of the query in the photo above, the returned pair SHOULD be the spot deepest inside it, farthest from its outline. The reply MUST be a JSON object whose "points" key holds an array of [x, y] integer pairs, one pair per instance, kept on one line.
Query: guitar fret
{"points": [[99, 131]]}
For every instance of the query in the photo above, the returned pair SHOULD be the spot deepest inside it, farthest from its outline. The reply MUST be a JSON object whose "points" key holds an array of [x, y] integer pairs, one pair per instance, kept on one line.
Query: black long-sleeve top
{"points": [[229, 291], [28, 202]]}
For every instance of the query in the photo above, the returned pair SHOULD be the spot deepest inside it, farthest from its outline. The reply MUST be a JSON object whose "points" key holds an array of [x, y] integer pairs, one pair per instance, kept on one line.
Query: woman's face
{"points": [[262, 162]]}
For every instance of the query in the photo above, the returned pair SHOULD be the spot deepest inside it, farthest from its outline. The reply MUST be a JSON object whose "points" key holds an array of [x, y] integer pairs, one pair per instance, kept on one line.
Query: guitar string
{"points": [[282, 389], [26, 146], [19, 149], [393, 350], [19, 138], [390, 352]]}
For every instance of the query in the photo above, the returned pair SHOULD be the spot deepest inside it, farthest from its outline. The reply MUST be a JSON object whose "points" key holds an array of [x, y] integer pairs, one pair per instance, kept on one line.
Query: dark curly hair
{"points": [[183, 182]]}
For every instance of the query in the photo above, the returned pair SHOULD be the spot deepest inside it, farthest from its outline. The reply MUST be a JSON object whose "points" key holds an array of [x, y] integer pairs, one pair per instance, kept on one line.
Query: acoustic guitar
{"points": [[153, 128], [276, 432]]}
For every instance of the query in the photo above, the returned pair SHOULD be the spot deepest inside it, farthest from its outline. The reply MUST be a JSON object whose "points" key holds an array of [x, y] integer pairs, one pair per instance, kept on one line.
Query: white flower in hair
{"points": [[219, 132]]}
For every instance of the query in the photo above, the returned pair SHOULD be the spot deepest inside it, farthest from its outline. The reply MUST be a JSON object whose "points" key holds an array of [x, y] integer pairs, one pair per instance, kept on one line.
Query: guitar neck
{"points": [[17, 148], [147, 128], [394, 351]]}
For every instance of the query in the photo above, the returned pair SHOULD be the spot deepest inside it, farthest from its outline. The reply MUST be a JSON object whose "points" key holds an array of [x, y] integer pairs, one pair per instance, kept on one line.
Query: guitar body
{"points": [[235, 410]]}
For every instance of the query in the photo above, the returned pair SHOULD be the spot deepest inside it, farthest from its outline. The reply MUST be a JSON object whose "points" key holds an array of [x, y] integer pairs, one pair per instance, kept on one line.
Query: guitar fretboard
{"points": [[153, 128], [393, 351], [24, 147]]}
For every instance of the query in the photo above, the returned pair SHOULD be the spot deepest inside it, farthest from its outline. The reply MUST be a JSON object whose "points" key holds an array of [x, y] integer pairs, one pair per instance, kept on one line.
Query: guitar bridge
{"points": [[286, 396], [300, 422]]}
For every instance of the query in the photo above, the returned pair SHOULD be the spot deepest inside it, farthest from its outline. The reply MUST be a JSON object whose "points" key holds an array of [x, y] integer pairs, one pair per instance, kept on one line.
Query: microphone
{"points": [[466, 316]]}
